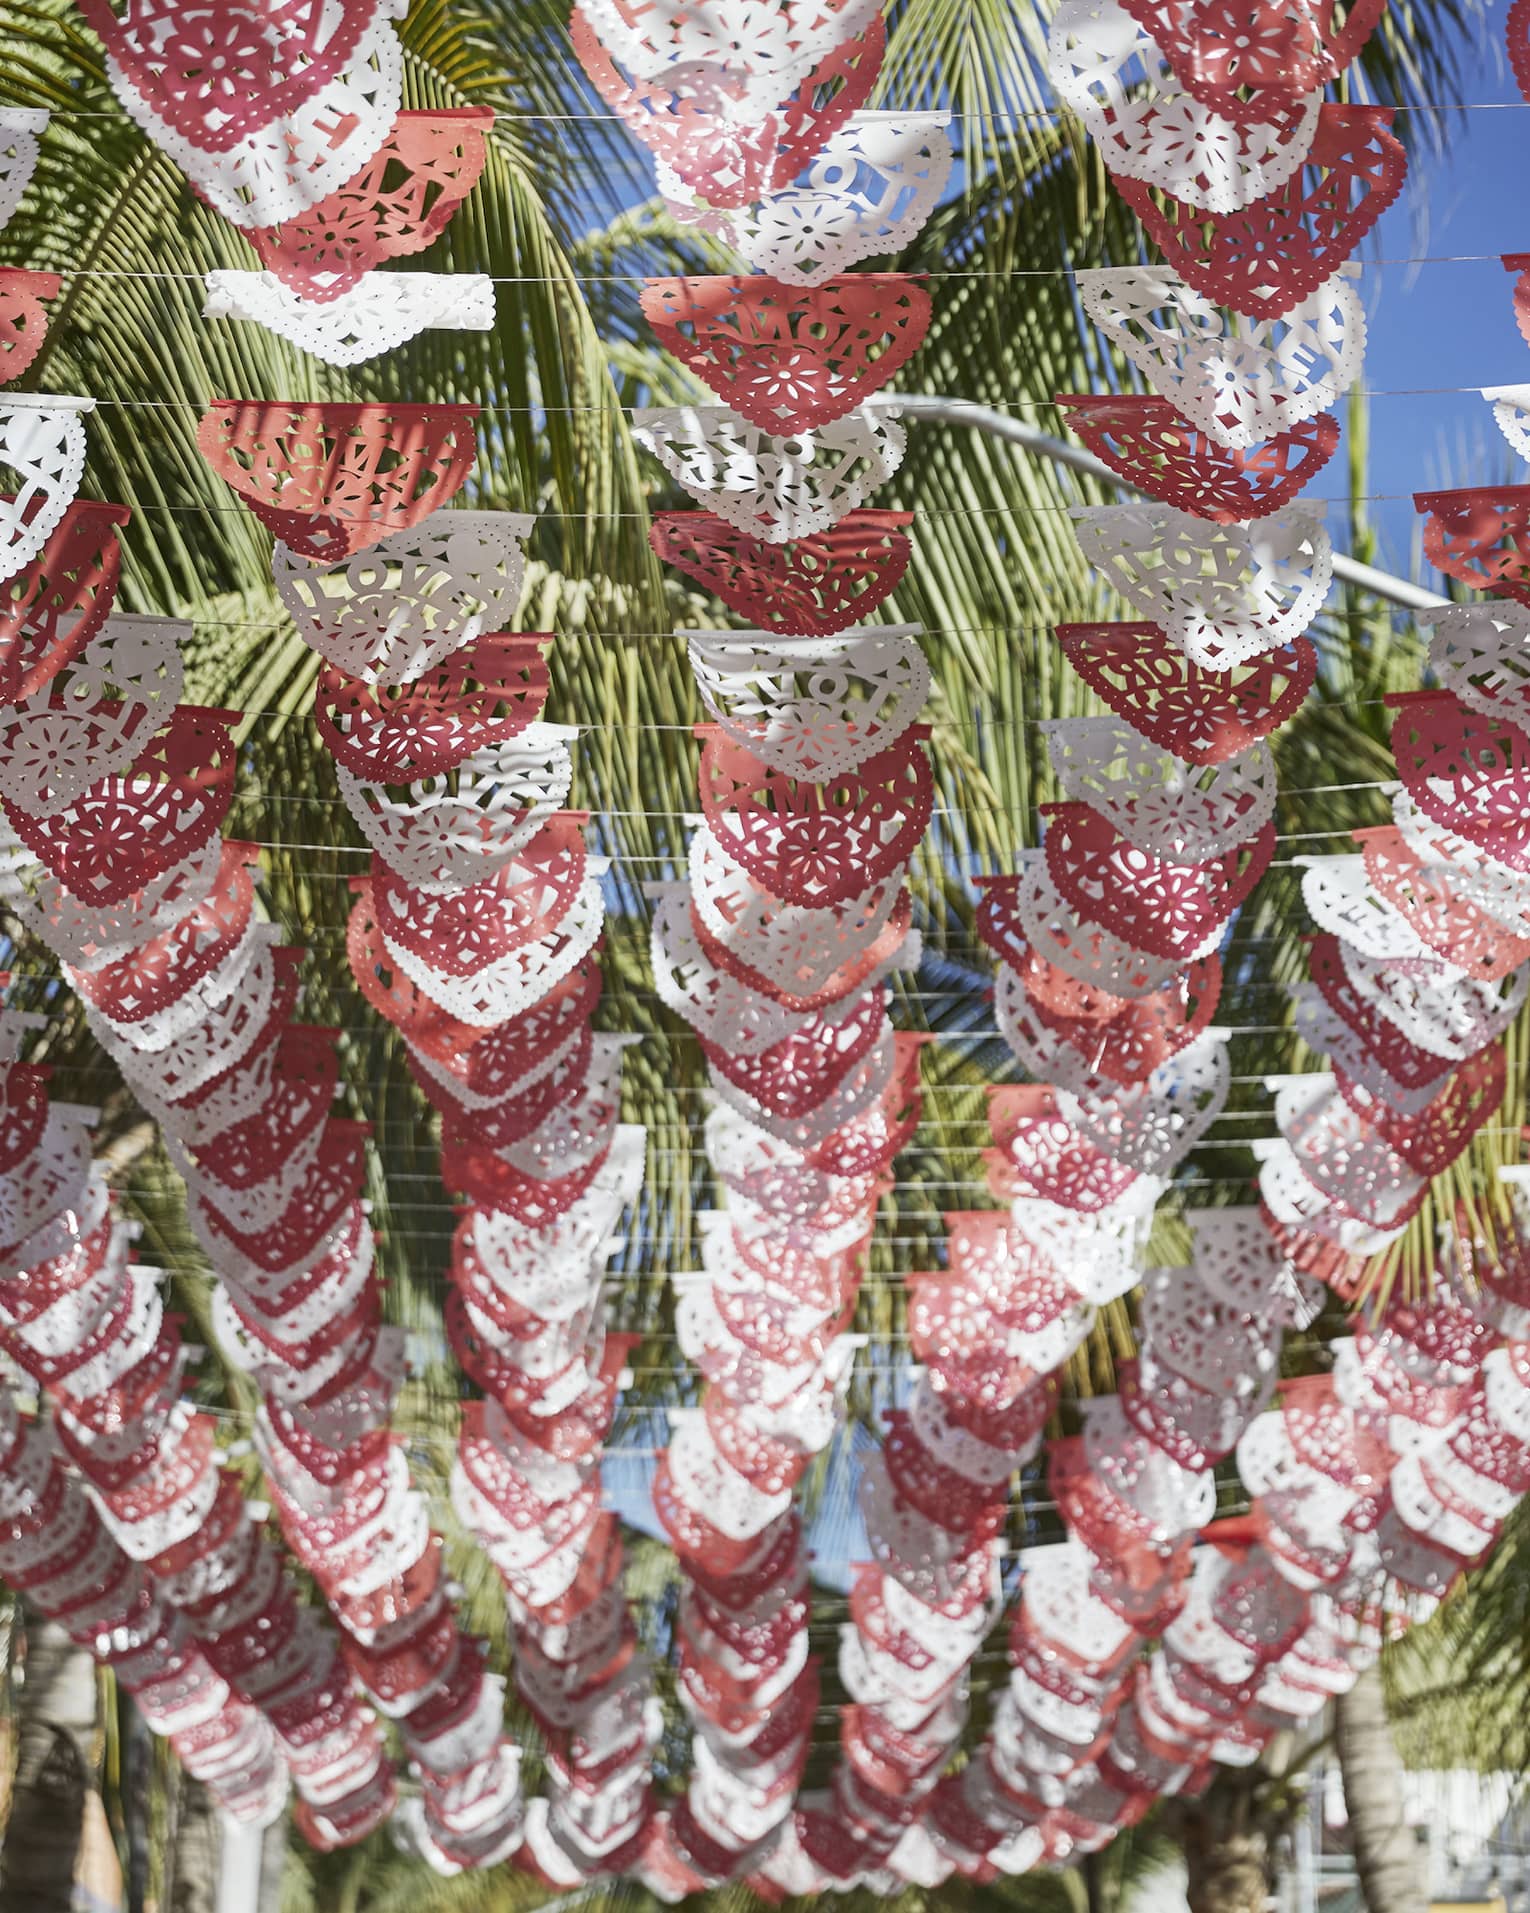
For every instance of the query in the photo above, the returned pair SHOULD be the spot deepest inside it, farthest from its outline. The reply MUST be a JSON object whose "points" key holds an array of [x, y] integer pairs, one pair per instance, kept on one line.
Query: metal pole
{"points": [[983, 418]]}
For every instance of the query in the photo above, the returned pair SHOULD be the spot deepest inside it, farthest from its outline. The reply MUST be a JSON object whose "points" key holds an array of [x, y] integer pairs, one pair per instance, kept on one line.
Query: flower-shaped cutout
{"points": [[1266, 258], [786, 358], [1242, 381], [811, 587], [331, 480], [1146, 442], [397, 204]]}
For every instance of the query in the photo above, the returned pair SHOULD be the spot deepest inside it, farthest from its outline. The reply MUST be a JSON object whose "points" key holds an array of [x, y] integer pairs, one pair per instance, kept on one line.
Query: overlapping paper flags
{"points": [[1255, 191], [477, 935], [285, 118], [815, 791], [1109, 935], [115, 794]]}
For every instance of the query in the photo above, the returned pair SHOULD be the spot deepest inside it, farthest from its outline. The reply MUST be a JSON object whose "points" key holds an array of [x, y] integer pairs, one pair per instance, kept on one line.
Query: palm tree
{"points": [[563, 221], [1386, 1853]]}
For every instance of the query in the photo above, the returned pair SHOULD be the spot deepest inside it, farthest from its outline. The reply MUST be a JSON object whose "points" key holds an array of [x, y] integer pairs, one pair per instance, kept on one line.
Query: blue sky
{"points": [[1445, 323]]}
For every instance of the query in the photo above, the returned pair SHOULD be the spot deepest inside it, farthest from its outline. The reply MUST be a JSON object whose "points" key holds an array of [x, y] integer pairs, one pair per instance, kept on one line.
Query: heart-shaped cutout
{"points": [[1266, 258], [1438, 1010], [53, 607], [460, 933], [1481, 654], [393, 612], [1125, 1042], [885, 1127], [953, 1501], [1192, 1427], [21, 128], [690, 120], [866, 195], [1098, 56], [1146, 442], [1345, 1160], [784, 357], [1468, 771], [804, 953], [952, 1331], [23, 318], [1339, 897], [717, 1006], [42, 449], [777, 488], [818, 709], [1432, 1139], [525, 1106], [1443, 914], [122, 690], [858, 972], [771, 48], [1481, 536], [442, 1005], [846, 1094], [331, 480], [1203, 716], [313, 1214], [771, 1461], [798, 1074], [812, 587], [580, 1130], [484, 695], [1239, 59], [449, 832], [1225, 593], [222, 69], [1172, 809], [303, 1084], [1241, 380], [1063, 936], [1044, 1157], [425, 1026], [1405, 1063], [1153, 1125], [1166, 909], [397, 204], [219, 1066], [1210, 1347], [282, 168], [1490, 885], [816, 844], [129, 829], [385, 311], [490, 1065]]}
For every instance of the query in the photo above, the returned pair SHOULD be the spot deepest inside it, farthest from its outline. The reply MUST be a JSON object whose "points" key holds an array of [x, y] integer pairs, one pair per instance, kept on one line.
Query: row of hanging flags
{"points": [[1156, 1640]]}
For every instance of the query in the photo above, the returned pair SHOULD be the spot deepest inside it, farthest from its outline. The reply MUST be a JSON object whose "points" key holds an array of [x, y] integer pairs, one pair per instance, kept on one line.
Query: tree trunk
{"points": [[1387, 1856], [194, 1853], [1225, 1835], [56, 1721], [1227, 1867]]}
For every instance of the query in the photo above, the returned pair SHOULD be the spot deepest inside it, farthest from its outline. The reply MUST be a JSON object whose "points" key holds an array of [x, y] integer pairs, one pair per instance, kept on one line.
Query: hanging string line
{"points": [[917, 272]]}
